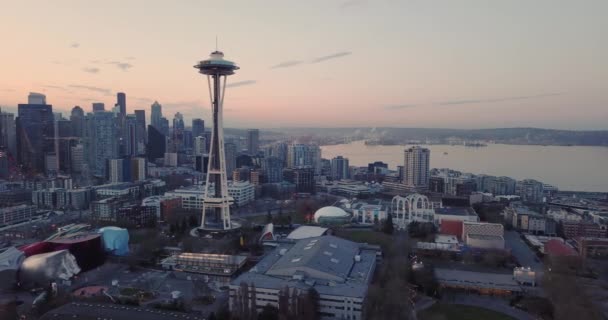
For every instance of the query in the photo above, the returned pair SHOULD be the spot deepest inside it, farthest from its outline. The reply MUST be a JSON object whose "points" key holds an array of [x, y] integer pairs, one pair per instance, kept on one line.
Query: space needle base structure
{"points": [[216, 205]]}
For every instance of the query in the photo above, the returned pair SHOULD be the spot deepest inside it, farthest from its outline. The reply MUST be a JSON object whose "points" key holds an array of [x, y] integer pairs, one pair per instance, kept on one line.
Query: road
{"points": [[521, 251]]}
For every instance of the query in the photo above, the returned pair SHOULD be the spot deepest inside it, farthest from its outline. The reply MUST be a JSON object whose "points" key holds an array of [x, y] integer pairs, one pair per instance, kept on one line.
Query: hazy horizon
{"points": [[460, 65]]}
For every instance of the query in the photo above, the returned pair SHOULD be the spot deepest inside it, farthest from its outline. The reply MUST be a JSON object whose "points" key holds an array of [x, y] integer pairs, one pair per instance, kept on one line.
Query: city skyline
{"points": [[465, 65]]}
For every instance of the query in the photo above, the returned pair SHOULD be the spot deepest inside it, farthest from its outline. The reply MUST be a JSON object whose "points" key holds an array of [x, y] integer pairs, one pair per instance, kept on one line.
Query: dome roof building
{"points": [[331, 215]]}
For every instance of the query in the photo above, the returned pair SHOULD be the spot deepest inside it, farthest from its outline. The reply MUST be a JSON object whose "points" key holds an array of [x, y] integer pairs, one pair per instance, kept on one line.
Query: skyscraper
{"points": [[253, 141], [157, 141], [231, 153], [104, 145], [121, 101], [339, 168], [200, 146], [217, 70], [140, 116], [416, 167], [156, 115], [64, 141], [35, 133], [131, 136], [8, 134], [98, 107], [77, 120], [198, 127], [178, 132], [304, 155]]}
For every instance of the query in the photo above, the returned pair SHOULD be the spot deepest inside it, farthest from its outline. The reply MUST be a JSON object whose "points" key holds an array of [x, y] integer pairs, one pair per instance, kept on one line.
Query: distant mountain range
{"points": [[532, 136]]}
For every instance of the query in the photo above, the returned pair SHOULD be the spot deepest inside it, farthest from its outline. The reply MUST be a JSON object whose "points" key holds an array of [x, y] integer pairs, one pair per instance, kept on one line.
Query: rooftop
{"points": [[480, 280], [333, 266], [456, 211], [304, 232]]}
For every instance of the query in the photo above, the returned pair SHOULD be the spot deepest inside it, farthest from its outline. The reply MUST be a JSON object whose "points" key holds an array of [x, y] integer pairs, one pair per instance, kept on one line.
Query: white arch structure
{"points": [[414, 207]]}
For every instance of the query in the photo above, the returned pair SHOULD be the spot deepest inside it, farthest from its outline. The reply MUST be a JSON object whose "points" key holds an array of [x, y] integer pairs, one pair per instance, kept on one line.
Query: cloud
{"points": [[7, 89], [287, 64], [91, 70], [141, 99], [331, 56], [130, 58], [241, 83], [124, 66], [104, 91], [478, 101], [400, 106], [351, 3], [471, 101], [74, 45]]}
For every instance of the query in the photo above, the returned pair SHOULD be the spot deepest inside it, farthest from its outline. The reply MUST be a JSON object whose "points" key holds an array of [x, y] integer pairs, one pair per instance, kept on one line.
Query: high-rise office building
{"points": [[198, 127], [178, 132], [304, 155], [99, 107], [156, 146], [273, 169], [339, 168], [164, 126], [416, 167], [200, 146], [231, 153], [77, 158], [121, 101], [253, 141], [64, 142], [35, 133], [77, 120], [302, 177], [156, 114], [8, 133], [530, 190], [131, 135], [142, 137], [104, 144], [36, 98]]}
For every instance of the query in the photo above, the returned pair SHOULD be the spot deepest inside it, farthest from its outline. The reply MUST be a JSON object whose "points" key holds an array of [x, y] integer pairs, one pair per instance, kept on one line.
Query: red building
{"points": [[555, 247], [451, 227]]}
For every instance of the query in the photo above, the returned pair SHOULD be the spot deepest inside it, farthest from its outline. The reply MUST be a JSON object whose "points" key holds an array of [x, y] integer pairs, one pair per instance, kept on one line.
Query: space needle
{"points": [[216, 204]]}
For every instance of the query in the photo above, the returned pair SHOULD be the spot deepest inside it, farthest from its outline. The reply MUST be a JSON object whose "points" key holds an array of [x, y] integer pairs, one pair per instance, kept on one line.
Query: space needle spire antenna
{"points": [[216, 205]]}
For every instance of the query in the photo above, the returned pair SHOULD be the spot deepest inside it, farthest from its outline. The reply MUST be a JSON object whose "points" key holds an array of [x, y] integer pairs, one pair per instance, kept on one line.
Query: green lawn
{"points": [[441, 311], [261, 219]]}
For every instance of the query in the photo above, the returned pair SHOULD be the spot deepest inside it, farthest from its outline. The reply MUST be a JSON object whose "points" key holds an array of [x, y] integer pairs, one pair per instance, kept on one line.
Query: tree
{"points": [[269, 312], [193, 221], [309, 305], [268, 217], [388, 227], [284, 304]]}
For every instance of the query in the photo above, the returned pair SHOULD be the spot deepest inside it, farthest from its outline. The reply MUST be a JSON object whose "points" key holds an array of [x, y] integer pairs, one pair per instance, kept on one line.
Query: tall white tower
{"points": [[217, 204]]}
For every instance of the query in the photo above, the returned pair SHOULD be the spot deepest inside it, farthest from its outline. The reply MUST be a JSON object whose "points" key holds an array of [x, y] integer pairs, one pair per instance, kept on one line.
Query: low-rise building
{"points": [[216, 267], [583, 229], [526, 220], [16, 214], [164, 206], [368, 214], [455, 213], [483, 235], [241, 192], [592, 247], [339, 270]]}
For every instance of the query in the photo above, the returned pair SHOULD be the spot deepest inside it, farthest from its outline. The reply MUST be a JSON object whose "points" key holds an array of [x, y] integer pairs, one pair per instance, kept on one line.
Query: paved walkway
{"points": [[491, 303]]}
